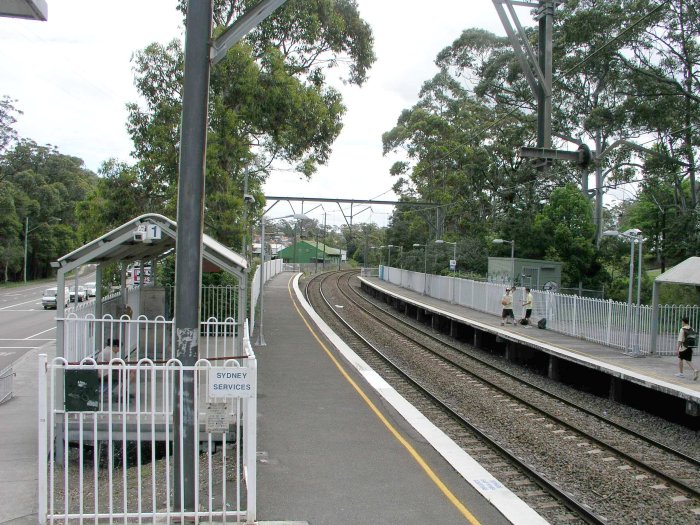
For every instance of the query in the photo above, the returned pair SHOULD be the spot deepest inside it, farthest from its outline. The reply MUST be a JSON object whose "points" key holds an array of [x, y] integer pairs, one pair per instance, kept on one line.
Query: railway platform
{"points": [[337, 445], [647, 382]]}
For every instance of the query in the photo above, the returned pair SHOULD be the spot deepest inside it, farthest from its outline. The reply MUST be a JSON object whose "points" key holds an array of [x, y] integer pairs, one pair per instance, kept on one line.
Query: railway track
{"points": [[565, 461]]}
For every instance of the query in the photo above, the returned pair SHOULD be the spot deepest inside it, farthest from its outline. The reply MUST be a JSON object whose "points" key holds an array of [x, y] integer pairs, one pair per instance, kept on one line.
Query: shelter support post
{"points": [[242, 309], [654, 318], [60, 352], [98, 292]]}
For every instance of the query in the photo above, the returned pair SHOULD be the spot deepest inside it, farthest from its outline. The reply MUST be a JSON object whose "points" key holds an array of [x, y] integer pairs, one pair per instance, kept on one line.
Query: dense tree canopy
{"points": [[270, 105], [40, 190], [625, 81]]}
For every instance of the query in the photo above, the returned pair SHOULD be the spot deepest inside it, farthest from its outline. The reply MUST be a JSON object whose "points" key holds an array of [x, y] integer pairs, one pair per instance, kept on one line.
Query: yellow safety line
{"points": [[416, 456]]}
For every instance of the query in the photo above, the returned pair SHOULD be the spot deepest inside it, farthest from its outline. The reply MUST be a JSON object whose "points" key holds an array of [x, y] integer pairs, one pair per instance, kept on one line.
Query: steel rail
{"points": [[651, 441], [612, 448], [565, 499]]}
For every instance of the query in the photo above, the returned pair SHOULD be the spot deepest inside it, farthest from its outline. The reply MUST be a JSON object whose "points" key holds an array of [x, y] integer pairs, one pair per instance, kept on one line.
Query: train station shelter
{"points": [[687, 273], [146, 238]]}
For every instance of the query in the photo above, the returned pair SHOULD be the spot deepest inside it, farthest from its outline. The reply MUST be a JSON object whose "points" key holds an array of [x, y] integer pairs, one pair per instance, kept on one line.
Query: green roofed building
{"points": [[309, 252]]}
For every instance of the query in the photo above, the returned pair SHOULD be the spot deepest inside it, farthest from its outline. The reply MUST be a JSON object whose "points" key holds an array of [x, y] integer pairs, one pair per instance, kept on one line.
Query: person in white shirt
{"points": [[109, 352], [507, 302], [105, 357]]}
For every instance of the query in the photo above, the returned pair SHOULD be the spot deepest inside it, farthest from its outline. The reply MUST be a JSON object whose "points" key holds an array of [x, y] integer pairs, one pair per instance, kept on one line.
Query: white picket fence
{"points": [[115, 440], [601, 321], [267, 271]]}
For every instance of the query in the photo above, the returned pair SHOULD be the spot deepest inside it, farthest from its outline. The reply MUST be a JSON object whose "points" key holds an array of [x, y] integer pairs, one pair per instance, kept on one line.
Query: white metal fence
{"points": [[140, 338], [602, 321], [112, 424], [7, 381], [218, 301], [270, 269]]}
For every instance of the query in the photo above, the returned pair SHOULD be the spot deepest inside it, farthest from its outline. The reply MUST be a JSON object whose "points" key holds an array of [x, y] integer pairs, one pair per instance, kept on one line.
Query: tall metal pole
{"points": [[26, 236], [544, 102], [244, 244], [323, 241], [316, 254], [512, 260], [296, 240], [628, 327], [261, 337], [190, 226], [638, 322]]}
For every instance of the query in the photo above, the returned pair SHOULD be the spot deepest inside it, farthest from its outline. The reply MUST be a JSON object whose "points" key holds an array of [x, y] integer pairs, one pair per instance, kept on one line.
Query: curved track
{"points": [[595, 468]]}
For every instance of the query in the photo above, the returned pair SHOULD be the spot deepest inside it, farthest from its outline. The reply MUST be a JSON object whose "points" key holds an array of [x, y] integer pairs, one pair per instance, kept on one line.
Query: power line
{"points": [[614, 39]]}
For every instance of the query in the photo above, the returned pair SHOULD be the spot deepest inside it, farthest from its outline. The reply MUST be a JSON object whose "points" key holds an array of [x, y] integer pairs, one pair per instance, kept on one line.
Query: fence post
{"points": [[250, 451], [42, 449], [609, 324]]}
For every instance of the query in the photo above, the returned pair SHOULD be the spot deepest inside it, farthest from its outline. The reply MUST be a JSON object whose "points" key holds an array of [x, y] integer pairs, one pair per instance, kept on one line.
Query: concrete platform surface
{"points": [[655, 372], [338, 446]]}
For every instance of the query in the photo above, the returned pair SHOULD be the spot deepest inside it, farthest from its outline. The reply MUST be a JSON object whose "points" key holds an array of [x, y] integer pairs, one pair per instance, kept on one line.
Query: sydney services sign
{"points": [[231, 382]]}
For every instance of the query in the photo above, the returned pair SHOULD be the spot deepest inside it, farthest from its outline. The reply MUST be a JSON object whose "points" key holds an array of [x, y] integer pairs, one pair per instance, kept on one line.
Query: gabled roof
{"points": [[121, 244], [323, 247], [320, 246], [687, 272]]}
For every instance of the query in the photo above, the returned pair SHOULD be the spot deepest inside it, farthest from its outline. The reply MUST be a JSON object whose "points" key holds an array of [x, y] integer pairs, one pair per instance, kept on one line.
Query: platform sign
{"points": [[226, 381], [151, 231], [219, 417], [453, 265]]}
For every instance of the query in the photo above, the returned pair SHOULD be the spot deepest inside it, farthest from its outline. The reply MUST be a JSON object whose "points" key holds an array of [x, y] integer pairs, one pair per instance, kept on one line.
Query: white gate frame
{"points": [[146, 417]]}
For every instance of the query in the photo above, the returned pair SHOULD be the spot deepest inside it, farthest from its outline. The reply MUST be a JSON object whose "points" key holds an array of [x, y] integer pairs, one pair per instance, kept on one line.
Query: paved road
{"points": [[24, 324]]}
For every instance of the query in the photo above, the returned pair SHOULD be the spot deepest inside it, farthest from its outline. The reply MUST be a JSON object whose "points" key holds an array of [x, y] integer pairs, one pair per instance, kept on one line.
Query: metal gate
{"points": [[115, 444]]}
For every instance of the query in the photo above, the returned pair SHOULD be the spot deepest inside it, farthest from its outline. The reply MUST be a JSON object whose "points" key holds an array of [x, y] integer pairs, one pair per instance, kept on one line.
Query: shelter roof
{"points": [[329, 250], [134, 241], [687, 272]]}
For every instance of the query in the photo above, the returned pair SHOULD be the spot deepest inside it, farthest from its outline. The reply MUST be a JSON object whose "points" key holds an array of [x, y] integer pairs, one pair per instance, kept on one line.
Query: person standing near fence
{"points": [[687, 340], [527, 307], [507, 303]]}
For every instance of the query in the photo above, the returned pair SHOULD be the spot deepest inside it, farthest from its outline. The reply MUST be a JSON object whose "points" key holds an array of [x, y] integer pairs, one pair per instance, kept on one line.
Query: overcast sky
{"points": [[72, 78]]}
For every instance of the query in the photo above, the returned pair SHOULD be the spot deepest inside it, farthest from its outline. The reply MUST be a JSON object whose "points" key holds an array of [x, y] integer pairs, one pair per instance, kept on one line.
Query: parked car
{"points": [[82, 294], [50, 298], [90, 289]]}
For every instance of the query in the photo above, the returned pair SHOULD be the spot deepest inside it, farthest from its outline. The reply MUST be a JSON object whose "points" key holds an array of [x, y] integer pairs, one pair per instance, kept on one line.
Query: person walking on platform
{"points": [[527, 306], [687, 340], [507, 313]]}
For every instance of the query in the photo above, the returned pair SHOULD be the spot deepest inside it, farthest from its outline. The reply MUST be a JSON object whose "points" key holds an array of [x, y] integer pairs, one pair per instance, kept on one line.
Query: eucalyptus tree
{"points": [[664, 73], [8, 118], [461, 142], [271, 105], [40, 189]]}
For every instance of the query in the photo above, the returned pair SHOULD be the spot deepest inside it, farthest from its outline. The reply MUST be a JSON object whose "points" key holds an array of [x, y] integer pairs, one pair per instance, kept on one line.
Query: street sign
{"points": [[453, 265]]}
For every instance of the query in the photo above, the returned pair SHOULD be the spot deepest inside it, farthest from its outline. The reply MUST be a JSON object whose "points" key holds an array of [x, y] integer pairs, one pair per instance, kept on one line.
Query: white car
{"points": [[91, 289], [50, 298], [82, 294]]}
